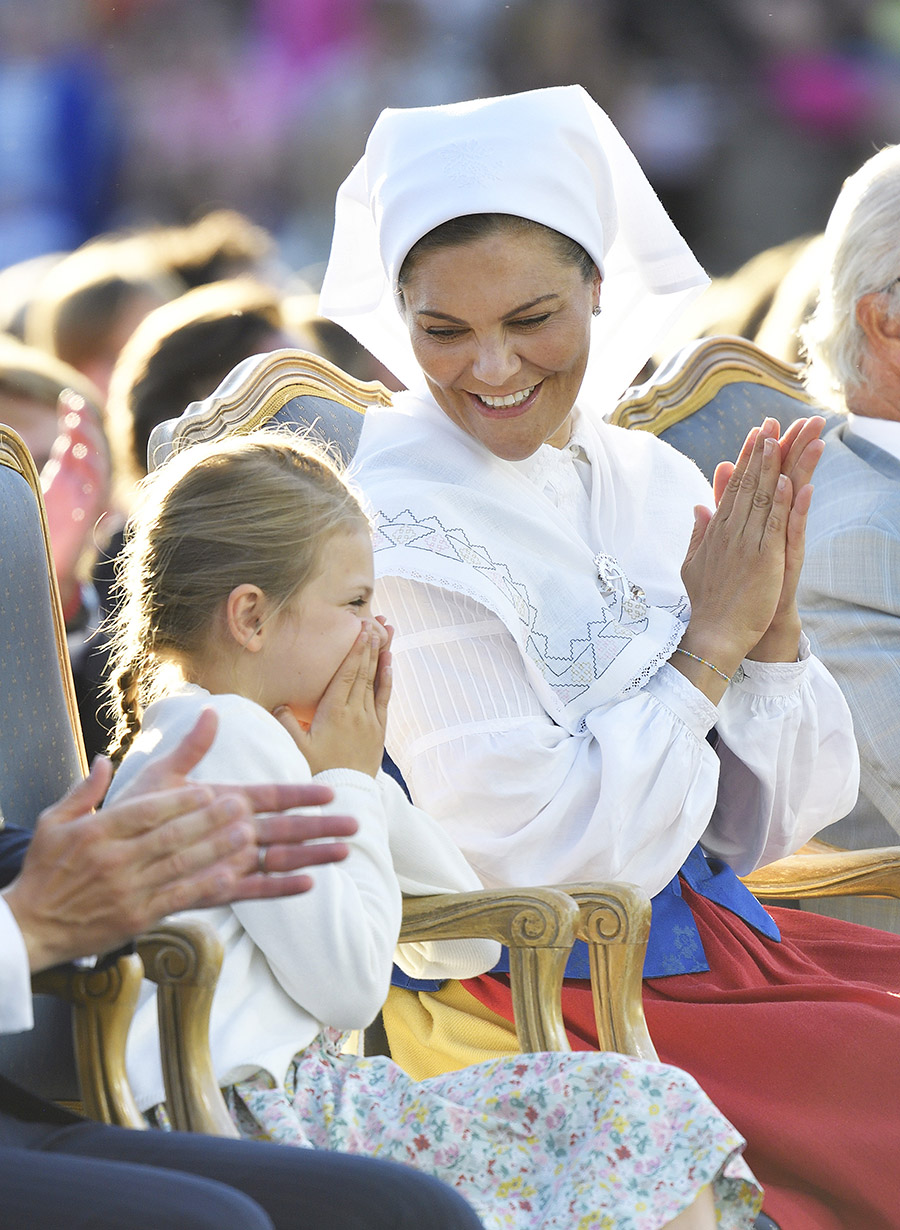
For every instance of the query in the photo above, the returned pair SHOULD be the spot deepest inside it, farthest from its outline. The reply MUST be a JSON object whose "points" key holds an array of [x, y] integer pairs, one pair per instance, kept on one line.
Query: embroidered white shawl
{"points": [[593, 621]]}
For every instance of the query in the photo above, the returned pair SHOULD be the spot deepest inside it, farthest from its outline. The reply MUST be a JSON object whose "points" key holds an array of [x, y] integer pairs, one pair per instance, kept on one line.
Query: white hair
{"points": [[860, 254]]}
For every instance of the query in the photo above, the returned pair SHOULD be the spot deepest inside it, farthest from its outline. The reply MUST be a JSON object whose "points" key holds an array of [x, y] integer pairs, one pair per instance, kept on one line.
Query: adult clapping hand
{"points": [[93, 879]]}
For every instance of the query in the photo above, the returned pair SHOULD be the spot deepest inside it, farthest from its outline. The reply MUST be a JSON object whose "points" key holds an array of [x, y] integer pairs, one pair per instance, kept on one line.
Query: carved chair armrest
{"points": [[614, 920], [537, 925], [184, 960], [820, 870], [103, 1002]]}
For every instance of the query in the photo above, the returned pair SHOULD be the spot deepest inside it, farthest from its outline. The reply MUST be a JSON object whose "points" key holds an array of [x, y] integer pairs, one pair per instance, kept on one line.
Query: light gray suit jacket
{"points": [[850, 603]]}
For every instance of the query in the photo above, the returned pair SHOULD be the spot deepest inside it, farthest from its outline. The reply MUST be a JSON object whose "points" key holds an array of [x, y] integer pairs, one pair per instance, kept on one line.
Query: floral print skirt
{"points": [[557, 1141]]}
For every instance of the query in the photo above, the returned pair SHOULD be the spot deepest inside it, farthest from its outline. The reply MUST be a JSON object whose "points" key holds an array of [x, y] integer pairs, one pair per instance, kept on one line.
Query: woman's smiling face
{"points": [[501, 328]]}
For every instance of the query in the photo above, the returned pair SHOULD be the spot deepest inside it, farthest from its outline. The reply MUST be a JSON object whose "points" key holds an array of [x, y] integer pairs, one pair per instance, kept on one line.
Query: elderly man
{"points": [[850, 588], [88, 881]]}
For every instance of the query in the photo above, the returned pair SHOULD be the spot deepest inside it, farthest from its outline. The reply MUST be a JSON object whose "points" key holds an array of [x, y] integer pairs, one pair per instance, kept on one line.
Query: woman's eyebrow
{"points": [[516, 311], [525, 307]]}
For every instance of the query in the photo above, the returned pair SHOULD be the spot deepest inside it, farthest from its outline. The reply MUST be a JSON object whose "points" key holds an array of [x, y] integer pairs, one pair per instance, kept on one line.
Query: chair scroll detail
{"points": [[538, 926], [614, 920], [184, 961], [103, 1002]]}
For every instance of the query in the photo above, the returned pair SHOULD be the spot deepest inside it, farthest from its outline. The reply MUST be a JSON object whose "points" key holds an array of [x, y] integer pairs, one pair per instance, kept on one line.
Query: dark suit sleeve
{"points": [[13, 844]]}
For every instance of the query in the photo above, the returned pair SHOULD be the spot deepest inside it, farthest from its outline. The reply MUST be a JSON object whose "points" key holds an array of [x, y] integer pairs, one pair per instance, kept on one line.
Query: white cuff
{"points": [[775, 678], [677, 693], [16, 1011], [346, 777]]}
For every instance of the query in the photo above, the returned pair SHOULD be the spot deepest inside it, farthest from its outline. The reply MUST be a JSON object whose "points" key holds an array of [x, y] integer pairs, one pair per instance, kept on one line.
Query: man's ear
{"points": [[880, 325], [245, 616]]}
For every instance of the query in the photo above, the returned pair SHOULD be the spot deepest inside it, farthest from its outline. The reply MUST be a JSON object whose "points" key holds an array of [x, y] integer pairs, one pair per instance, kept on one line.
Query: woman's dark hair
{"points": [[470, 227]]}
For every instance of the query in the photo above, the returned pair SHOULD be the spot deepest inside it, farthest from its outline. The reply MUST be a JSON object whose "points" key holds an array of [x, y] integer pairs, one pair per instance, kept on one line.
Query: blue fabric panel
{"points": [[675, 946]]}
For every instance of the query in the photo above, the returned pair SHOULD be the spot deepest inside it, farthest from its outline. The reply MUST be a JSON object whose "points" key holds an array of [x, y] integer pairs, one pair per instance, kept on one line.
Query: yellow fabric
{"points": [[442, 1031]]}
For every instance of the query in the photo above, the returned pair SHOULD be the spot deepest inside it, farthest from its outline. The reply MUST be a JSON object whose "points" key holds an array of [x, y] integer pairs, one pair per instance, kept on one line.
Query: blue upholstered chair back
{"points": [[41, 752], [289, 388], [705, 399]]}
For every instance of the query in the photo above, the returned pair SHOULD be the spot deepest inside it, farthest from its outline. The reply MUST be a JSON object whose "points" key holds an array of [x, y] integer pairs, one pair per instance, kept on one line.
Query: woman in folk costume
{"points": [[597, 677]]}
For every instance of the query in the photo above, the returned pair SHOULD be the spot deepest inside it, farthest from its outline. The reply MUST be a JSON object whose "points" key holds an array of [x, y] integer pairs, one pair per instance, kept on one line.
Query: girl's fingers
{"points": [[796, 536], [297, 732], [351, 674], [796, 545], [389, 632], [777, 513], [383, 684], [798, 436], [289, 721], [732, 484], [362, 690], [376, 639]]}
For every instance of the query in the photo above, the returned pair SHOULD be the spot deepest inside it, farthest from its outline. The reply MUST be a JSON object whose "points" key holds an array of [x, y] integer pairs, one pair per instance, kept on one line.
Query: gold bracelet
{"points": [[687, 653]]}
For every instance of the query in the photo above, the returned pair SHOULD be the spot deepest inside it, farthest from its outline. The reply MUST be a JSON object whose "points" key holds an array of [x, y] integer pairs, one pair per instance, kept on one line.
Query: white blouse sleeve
{"points": [[529, 803], [427, 862], [332, 948], [789, 761]]}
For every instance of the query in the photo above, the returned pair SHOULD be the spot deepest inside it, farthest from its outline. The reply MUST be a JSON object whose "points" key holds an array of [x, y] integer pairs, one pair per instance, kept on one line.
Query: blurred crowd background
{"points": [[168, 171], [113, 113]]}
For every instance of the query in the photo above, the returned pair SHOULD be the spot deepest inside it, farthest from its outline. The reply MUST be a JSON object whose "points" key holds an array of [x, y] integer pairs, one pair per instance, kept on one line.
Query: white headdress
{"points": [[550, 155]]}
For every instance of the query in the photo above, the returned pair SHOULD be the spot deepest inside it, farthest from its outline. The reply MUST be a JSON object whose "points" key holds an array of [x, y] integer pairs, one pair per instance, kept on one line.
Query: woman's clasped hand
{"points": [[744, 558]]}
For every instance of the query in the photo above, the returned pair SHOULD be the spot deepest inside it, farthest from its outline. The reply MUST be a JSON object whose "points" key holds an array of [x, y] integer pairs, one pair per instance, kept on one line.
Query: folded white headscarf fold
{"points": [[550, 155]]}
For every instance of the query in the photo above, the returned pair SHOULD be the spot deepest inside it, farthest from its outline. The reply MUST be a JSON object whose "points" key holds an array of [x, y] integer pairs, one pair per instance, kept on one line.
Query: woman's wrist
{"points": [[707, 660], [711, 647], [781, 640]]}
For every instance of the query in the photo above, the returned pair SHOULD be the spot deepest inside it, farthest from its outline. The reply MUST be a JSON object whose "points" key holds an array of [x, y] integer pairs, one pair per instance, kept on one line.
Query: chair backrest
{"points": [[705, 399], [41, 750], [290, 388]]}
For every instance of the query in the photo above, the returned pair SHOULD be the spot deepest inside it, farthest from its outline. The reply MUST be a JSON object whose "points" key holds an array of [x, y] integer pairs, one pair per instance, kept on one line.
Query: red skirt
{"points": [[797, 1043]]}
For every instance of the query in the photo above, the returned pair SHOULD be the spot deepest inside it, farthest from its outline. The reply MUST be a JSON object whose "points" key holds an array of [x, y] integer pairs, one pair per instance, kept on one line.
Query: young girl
{"points": [[247, 586]]}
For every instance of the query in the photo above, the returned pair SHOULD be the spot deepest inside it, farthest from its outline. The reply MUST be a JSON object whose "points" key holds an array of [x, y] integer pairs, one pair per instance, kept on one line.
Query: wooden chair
{"points": [[295, 389], [76, 1052], [703, 401]]}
